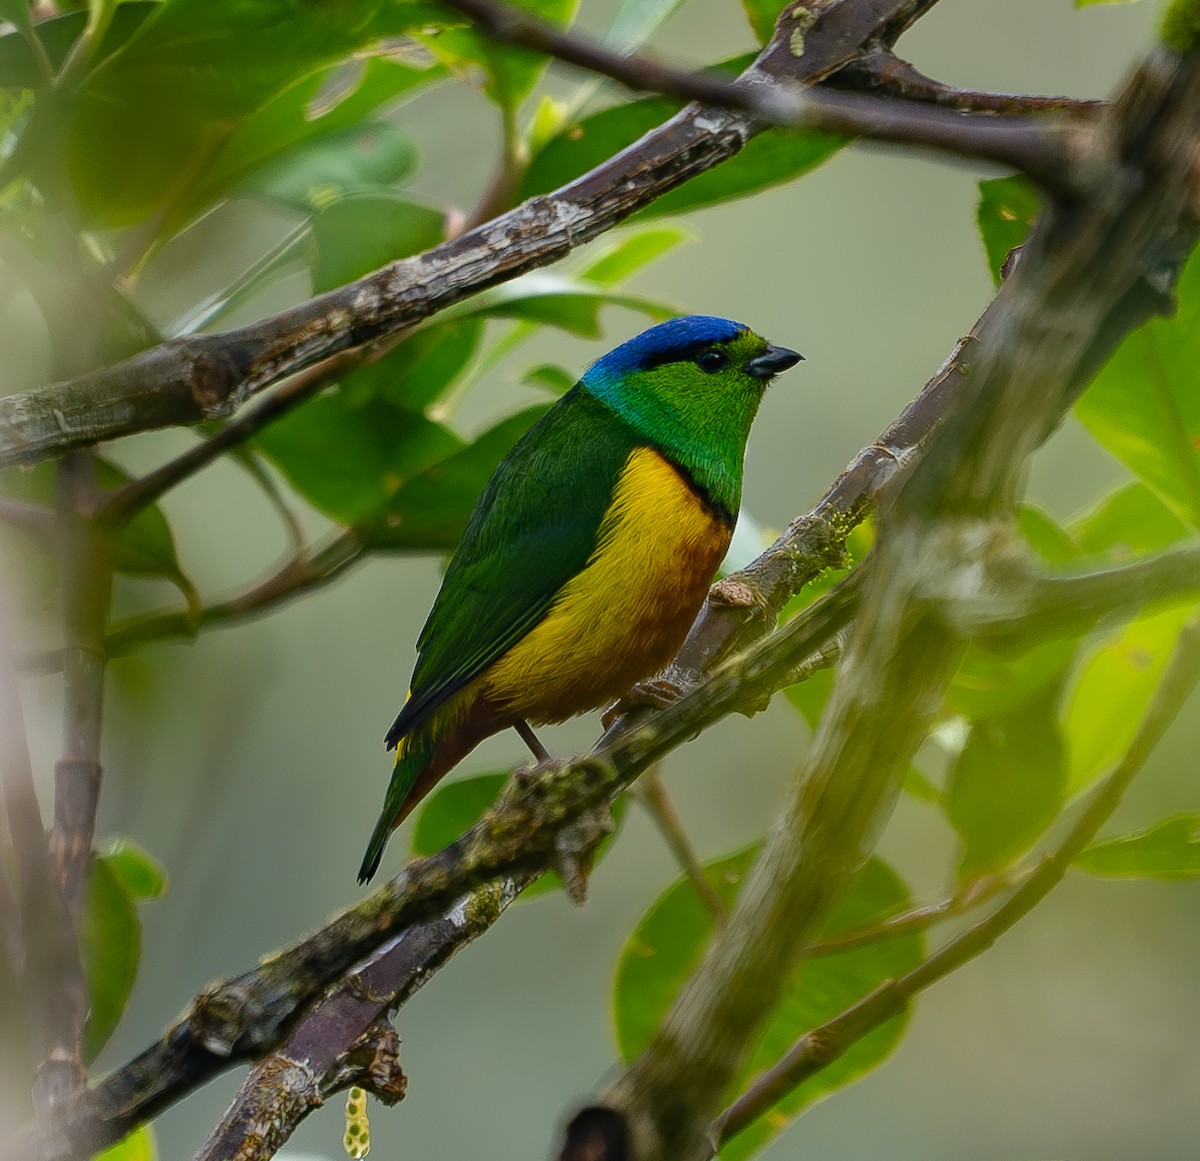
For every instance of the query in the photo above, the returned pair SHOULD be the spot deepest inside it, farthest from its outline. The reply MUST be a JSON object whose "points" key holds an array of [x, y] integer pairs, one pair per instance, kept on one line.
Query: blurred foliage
{"points": [[123, 125], [669, 939]]}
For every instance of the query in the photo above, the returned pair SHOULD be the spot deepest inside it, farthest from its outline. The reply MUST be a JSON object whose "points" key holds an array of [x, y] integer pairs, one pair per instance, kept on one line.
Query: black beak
{"points": [[772, 361]]}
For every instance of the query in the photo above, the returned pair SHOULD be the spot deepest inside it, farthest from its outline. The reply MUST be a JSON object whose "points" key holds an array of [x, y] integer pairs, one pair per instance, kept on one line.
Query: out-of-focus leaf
{"points": [[636, 21], [1144, 406], [148, 120], [512, 72], [291, 254], [992, 681], [421, 369], [111, 936], [670, 938], [1007, 786], [561, 301], [1049, 539], [430, 511], [557, 380], [1130, 521], [341, 162], [19, 69], [299, 120], [634, 251], [142, 547], [762, 15], [1111, 688], [360, 233], [1094, 3], [1007, 207], [456, 806], [140, 874], [769, 159], [1170, 850], [140, 1145], [350, 462]]}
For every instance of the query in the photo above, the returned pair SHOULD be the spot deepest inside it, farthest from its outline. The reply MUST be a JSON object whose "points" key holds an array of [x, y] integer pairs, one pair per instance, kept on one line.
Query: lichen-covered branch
{"points": [[345, 1038], [246, 1017], [820, 1047]]}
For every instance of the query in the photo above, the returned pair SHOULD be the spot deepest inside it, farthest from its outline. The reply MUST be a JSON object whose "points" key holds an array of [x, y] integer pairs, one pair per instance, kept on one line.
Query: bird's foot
{"points": [[575, 850], [657, 693], [531, 740]]}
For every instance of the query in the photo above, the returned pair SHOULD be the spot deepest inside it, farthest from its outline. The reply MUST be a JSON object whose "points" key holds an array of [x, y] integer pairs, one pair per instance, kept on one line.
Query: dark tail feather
{"points": [[413, 755]]}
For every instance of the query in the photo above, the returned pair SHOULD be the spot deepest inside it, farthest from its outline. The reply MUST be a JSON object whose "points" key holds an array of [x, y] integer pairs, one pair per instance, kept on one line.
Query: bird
{"points": [[589, 552]]}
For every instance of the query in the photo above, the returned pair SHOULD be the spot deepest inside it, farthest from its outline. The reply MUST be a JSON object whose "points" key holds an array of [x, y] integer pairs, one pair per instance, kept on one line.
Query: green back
{"points": [[532, 530]]}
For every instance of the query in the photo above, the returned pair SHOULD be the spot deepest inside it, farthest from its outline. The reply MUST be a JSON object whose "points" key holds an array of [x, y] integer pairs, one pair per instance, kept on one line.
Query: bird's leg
{"points": [[531, 740], [655, 693]]}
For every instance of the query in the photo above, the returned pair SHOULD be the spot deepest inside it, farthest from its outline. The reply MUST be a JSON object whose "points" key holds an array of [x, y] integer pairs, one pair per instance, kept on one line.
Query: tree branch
{"points": [[210, 376], [49, 967], [1082, 283], [315, 1061], [820, 1047], [247, 1016]]}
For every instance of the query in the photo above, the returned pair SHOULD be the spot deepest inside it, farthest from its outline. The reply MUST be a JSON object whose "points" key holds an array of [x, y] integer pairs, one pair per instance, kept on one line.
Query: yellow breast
{"points": [[625, 614]]}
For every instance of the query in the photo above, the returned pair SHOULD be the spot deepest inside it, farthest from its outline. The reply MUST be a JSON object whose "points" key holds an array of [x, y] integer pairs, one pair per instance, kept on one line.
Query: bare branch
{"points": [[820, 1047], [209, 376], [28, 517], [883, 72]]}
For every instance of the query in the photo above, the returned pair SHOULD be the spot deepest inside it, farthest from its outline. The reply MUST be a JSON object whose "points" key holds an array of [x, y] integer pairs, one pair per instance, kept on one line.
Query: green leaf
{"points": [[300, 120], [140, 874], [351, 461], [512, 72], [455, 807], [149, 120], [670, 939], [1129, 521], [140, 1145], [18, 67], [1007, 207], [422, 369], [762, 15], [559, 300], [111, 936], [636, 250], [1094, 3], [363, 232], [992, 681], [329, 167], [1112, 686], [1007, 786], [1170, 850], [143, 547], [557, 380], [1144, 406], [769, 159], [430, 511]]}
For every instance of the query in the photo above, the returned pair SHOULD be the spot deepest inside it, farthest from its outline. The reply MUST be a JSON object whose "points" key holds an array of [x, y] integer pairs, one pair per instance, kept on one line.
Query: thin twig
{"points": [[882, 71], [654, 795], [29, 517], [818, 1048]]}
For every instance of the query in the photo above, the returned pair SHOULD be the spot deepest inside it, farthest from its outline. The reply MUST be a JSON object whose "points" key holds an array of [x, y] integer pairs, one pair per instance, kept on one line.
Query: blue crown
{"points": [[677, 338]]}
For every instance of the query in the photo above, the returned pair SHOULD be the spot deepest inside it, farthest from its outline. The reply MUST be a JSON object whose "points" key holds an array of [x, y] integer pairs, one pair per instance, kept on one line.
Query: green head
{"points": [[691, 388]]}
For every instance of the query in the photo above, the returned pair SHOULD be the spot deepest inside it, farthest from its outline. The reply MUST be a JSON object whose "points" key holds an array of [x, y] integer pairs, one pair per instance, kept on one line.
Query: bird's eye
{"points": [[712, 361]]}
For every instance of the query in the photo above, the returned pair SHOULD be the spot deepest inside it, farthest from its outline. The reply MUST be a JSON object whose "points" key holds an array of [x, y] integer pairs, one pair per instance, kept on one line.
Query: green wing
{"points": [[532, 530]]}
